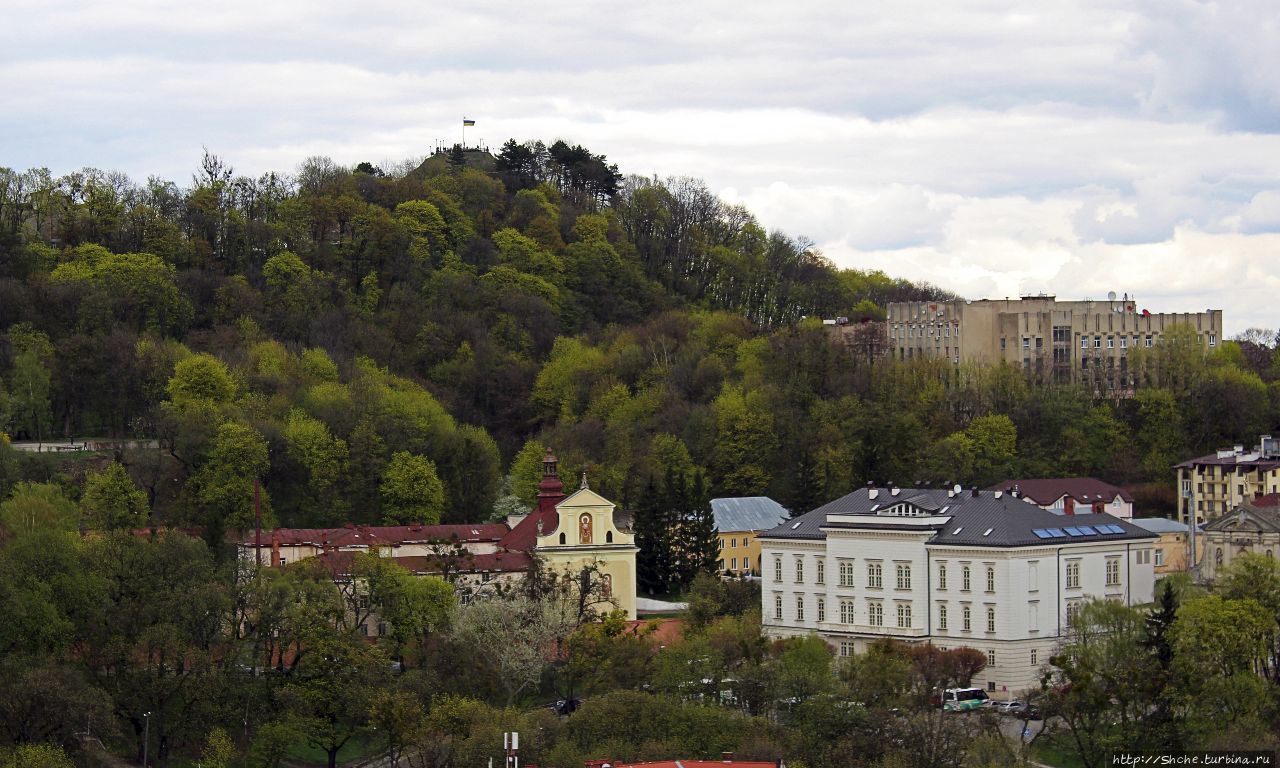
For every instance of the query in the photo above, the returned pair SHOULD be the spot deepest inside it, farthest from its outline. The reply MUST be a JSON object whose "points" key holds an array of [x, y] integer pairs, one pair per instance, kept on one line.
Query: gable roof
{"points": [[987, 519], [1046, 490], [747, 513], [525, 535]]}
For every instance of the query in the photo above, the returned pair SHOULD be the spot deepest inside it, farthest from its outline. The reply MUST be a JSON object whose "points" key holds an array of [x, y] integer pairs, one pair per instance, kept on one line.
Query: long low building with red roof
{"points": [[568, 532]]}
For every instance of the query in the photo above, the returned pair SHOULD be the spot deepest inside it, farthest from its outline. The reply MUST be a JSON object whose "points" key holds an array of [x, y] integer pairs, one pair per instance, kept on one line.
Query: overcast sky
{"points": [[991, 148]]}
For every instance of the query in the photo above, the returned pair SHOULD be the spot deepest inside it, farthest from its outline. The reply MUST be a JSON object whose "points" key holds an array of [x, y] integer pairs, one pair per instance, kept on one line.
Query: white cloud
{"points": [[991, 147]]}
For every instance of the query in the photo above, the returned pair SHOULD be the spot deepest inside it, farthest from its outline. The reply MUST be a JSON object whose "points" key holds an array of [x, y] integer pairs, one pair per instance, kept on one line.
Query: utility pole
{"points": [[1188, 494], [146, 737]]}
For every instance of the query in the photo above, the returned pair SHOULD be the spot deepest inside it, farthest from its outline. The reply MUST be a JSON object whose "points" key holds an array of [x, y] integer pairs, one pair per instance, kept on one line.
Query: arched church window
{"points": [[584, 529], [562, 540], [608, 537]]}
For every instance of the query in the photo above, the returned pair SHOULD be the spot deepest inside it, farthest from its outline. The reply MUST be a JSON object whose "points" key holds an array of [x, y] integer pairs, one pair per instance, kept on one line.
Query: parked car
{"points": [[1011, 706]]}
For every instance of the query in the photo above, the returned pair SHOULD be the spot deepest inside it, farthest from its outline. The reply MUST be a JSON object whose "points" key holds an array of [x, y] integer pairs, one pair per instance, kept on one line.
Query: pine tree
{"points": [[1164, 731], [701, 545], [653, 537], [807, 486], [674, 502]]}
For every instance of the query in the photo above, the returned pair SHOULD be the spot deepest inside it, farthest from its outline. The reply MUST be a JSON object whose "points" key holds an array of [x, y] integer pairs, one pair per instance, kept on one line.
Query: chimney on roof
{"points": [[726, 756], [975, 491]]}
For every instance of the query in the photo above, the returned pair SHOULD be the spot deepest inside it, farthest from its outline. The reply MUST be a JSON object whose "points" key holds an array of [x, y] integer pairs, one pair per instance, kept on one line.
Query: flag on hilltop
{"points": [[467, 123]]}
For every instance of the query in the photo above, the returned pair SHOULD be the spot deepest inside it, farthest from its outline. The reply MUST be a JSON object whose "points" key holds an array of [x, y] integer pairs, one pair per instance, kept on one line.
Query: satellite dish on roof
{"points": [[1111, 295]]}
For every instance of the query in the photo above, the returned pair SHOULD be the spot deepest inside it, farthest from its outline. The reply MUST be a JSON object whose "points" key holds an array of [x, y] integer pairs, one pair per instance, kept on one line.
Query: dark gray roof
{"points": [[989, 519], [747, 513]]}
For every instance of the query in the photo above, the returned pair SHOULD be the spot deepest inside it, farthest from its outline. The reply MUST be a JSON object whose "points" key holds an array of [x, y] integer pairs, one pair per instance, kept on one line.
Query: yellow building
{"points": [[1215, 484], [1171, 548], [586, 534], [738, 521]]}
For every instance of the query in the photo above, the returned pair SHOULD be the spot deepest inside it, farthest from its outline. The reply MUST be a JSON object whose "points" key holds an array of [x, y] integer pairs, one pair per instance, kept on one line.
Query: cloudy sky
{"points": [[992, 148]]}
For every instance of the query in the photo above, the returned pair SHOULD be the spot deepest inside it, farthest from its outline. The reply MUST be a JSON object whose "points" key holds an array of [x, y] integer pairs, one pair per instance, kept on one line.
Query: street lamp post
{"points": [[146, 736]]}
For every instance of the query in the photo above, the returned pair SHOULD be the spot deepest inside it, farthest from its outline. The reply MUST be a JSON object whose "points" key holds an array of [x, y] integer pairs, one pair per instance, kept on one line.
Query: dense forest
{"points": [[347, 334], [402, 345]]}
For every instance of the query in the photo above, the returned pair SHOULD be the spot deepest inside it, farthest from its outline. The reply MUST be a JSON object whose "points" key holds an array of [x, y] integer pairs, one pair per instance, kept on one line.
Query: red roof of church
{"points": [[524, 536]]}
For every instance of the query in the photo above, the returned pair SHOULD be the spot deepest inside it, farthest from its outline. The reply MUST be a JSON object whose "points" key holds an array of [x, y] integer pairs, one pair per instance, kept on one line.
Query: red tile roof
{"points": [[1266, 500], [665, 631], [1047, 490], [524, 536]]}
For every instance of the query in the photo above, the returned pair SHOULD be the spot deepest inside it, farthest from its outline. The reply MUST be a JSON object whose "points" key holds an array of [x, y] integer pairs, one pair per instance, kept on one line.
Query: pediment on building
{"points": [[584, 497], [1246, 519]]}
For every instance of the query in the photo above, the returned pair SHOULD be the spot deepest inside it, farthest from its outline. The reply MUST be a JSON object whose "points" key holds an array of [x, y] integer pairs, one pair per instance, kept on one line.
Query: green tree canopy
{"points": [[411, 491], [111, 500]]}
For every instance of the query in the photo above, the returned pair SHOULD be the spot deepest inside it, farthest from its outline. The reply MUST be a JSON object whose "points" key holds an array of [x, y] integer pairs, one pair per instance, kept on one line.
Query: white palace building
{"points": [[957, 568]]}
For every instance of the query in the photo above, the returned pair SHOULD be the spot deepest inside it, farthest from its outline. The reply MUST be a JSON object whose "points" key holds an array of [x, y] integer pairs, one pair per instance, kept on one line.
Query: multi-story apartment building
{"points": [[1086, 341], [1219, 482], [978, 569]]}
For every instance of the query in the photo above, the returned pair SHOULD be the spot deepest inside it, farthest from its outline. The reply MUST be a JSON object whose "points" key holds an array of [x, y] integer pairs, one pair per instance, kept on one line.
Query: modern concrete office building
{"points": [[1086, 341]]}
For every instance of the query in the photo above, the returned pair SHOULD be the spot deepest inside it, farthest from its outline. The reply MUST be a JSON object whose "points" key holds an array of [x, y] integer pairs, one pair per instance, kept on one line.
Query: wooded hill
{"points": [[401, 345]]}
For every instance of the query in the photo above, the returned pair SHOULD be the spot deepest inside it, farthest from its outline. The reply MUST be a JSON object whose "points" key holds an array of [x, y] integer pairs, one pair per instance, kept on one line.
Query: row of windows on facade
{"points": [[1146, 341], [911, 332], [909, 353], [875, 573], [875, 614], [733, 564], [733, 542]]}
